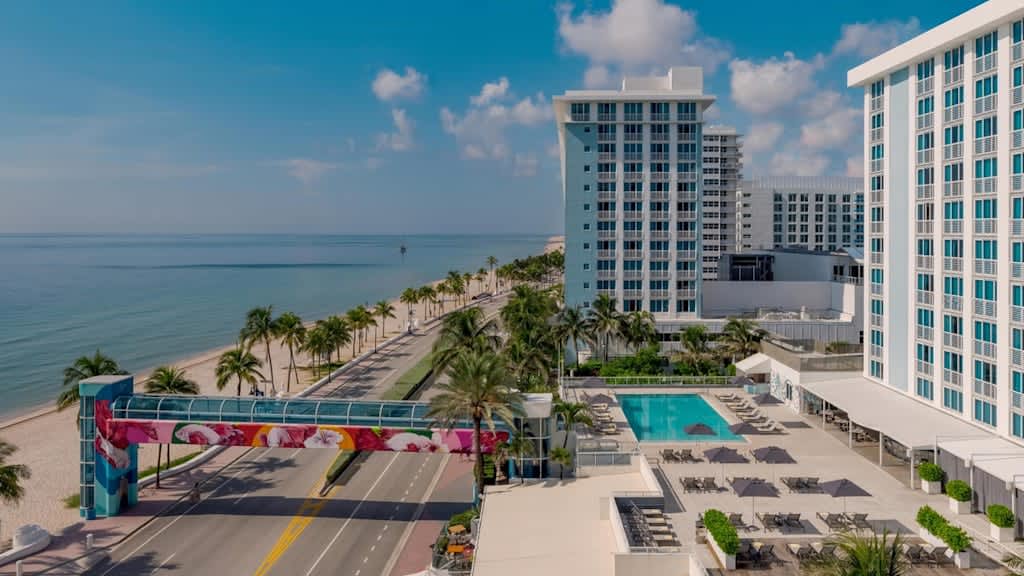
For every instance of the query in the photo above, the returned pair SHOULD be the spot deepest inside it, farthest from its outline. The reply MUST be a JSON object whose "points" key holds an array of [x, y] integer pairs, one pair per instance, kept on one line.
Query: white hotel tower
{"points": [[944, 153], [632, 184]]}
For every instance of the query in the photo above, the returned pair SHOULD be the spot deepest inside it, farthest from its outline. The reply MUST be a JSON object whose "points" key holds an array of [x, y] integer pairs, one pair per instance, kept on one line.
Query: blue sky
{"points": [[419, 117]]}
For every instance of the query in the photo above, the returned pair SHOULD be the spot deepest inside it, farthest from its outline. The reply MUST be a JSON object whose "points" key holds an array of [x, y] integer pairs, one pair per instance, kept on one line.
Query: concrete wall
{"points": [[580, 244]]}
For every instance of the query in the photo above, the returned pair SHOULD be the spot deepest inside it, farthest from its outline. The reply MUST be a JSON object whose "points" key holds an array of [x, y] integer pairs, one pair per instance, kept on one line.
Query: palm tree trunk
{"points": [[291, 366], [168, 457], [239, 386], [270, 364], [478, 465], [159, 453]]}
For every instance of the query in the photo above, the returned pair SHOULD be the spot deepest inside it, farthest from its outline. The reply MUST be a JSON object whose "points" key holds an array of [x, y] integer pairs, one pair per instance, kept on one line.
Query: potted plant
{"points": [[1002, 522], [936, 530], [724, 540], [959, 493], [931, 477]]}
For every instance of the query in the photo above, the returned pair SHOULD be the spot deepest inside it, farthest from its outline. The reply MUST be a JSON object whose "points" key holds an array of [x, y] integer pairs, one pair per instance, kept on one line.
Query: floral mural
{"points": [[114, 436]]}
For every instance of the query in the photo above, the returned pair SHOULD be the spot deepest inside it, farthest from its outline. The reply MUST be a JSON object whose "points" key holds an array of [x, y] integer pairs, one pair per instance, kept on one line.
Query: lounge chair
{"points": [[686, 455], [727, 397], [689, 484], [802, 552], [751, 419], [737, 520], [608, 429], [859, 521], [791, 483], [811, 484], [833, 521], [599, 406], [827, 551], [769, 521], [669, 456], [793, 521], [937, 555], [766, 554], [709, 485], [915, 553]]}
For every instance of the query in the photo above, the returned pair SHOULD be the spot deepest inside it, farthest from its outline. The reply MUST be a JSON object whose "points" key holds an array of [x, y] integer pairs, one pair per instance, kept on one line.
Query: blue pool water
{"points": [[662, 417]]}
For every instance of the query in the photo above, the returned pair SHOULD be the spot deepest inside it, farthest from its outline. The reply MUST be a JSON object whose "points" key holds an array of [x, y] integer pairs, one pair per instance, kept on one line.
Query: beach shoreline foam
{"points": [[47, 440]]}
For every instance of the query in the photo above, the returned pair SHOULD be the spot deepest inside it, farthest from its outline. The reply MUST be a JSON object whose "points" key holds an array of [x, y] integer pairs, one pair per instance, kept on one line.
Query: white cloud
{"points": [[390, 85], [764, 88], [869, 39], [762, 136], [797, 163], [307, 170], [401, 138], [491, 92], [833, 130], [525, 164], [855, 166], [480, 130], [636, 36], [821, 103]]}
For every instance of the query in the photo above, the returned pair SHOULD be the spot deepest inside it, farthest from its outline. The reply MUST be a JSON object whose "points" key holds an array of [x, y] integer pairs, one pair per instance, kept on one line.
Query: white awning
{"points": [[1000, 458], [898, 416], [756, 364]]}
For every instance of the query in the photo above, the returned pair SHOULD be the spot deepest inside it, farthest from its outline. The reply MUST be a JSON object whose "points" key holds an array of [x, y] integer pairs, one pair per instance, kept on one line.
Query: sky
{"points": [[392, 118]]}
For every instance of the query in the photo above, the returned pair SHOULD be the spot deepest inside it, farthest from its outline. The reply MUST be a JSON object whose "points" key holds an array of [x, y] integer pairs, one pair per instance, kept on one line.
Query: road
{"points": [[263, 514]]}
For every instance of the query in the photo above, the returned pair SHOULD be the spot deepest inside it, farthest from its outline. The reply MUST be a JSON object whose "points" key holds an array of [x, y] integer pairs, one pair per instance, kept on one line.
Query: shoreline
{"points": [[48, 439], [20, 416]]}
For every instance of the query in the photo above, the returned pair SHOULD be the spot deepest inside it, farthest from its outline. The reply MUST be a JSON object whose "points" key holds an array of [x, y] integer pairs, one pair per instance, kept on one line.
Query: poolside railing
{"points": [[648, 382]]}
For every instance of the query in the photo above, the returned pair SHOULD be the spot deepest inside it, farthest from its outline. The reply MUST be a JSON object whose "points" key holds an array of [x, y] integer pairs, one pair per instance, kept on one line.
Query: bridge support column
{"points": [[109, 465]]}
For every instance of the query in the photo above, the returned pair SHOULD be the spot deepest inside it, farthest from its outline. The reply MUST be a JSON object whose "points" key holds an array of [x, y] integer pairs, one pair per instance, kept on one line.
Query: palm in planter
{"points": [[877, 554]]}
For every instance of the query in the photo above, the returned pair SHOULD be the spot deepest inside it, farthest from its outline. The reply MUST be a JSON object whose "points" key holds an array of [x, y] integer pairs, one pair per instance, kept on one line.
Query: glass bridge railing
{"points": [[284, 411]]}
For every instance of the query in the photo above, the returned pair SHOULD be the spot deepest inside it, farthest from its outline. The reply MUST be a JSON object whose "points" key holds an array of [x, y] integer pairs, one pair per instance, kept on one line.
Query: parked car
{"points": [[481, 296]]}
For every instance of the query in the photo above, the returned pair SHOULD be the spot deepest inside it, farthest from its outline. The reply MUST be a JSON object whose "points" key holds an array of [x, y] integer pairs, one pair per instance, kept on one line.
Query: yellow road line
{"points": [[307, 512]]}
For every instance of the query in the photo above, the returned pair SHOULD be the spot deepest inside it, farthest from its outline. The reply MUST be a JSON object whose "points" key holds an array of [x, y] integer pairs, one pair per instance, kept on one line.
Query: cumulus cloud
{"points": [[869, 39], [390, 85], [553, 151], [855, 166], [798, 163], [763, 88], [637, 36], [307, 170], [401, 138], [762, 136], [491, 92], [480, 130], [835, 129], [525, 164]]}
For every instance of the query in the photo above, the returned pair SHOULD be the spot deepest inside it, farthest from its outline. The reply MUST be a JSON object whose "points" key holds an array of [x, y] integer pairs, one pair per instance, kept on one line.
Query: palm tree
{"points": [[11, 475], [428, 295], [525, 358], [169, 380], [318, 345], [462, 332], [481, 279], [604, 321], [241, 364], [741, 338], [467, 282], [528, 310], [455, 281], [338, 332], [572, 413], [519, 445], [260, 326], [560, 456], [491, 263], [572, 327], [357, 319], [638, 328], [478, 388], [292, 333], [384, 310], [1014, 563], [410, 297], [364, 320], [861, 555], [84, 367], [694, 342]]}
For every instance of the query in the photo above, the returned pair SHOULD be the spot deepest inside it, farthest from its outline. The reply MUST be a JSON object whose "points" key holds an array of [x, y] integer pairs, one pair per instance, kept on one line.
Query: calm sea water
{"points": [[146, 300]]}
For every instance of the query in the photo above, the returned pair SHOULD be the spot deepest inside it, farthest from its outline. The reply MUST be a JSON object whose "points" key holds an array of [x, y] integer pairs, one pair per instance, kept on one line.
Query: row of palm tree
{"points": [[11, 475]]}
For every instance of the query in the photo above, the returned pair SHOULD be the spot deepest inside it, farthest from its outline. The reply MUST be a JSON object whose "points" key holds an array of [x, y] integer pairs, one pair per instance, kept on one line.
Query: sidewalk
{"points": [[454, 487], [69, 544]]}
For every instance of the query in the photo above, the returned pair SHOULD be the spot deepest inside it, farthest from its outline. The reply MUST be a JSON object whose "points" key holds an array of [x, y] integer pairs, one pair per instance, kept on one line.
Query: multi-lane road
{"points": [[264, 515]]}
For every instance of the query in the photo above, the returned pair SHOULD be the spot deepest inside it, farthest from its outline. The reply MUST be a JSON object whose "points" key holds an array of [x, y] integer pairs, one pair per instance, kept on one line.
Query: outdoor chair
{"points": [[833, 521], [801, 552], [709, 485], [608, 429], [737, 521], [810, 484], [937, 555], [791, 483], [766, 555], [915, 554], [689, 484], [669, 456], [793, 521], [754, 419], [769, 521], [827, 551], [686, 455], [859, 521]]}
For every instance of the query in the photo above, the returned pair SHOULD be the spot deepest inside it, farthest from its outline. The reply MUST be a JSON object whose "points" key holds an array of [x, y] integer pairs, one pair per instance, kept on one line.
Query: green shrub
{"points": [[930, 472], [73, 500], [646, 362], [1000, 515], [464, 518], [724, 533], [958, 490], [953, 536]]}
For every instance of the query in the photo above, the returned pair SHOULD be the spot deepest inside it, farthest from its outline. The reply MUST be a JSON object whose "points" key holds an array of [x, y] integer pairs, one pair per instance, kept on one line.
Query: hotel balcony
{"points": [[1016, 227], [660, 195], [686, 294], [580, 116], [952, 302], [985, 226], [606, 136], [876, 320], [659, 255], [1017, 271], [985, 104], [877, 289], [659, 156], [925, 297], [606, 234], [1017, 96], [1016, 53], [1017, 357], [632, 294], [876, 104], [985, 63], [986, 349], [925, 121], [633, 234], [659, 176], [632, 196], [925, 333], [633, 215], [952, 378], [985, 185], [925, 227], [633, 156], [876, 165], [953, 227], [659, 295], [986, 145], [926, 156], [1017, 139], [925, 86], [606, 215], [924, 262], [877, 134], [633, 116], [953, 114], [632, 254], [686, 215], [605, 117], [606, 195], [606, 156], [632, 176], [953, 264], [953, 189], [985, 308], [952, 76], [1017, 182], [659, 234], [606, 254], [632, 137], [606, 176], [924, 368], [985, 267], [686, 255], [659, 116], [952, 340], [1017, 314], [659, 137], [925, 191], [686, 234], [658, 274], [606, 274], [953, 151], [632, 274]]}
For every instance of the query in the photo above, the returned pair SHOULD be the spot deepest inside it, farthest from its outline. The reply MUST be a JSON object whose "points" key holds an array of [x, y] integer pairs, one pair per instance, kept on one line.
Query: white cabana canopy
{"points": [[757, 364], [1000, 458], [898, 416]]}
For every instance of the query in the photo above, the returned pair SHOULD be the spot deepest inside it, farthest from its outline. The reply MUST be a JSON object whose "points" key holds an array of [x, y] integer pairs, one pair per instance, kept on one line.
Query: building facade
{"points": [[721, 173], [632, 188], [820, 213], [945, 244]]}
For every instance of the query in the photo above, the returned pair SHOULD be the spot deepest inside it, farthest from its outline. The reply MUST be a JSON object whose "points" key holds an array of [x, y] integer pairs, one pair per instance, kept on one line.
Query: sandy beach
{"points": [[48, 440]]}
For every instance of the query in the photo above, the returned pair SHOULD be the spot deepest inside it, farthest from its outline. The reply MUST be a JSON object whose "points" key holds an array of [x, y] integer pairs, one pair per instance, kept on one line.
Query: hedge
{"points": [[1001, 516], [959, 490], [930, 472], [724, 533], [954, 537]]}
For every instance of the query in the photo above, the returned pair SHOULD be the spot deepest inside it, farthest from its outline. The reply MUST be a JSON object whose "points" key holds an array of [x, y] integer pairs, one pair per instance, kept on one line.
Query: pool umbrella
{"points": [[844, 489], [699, 429], [754, 488], [766, 400], [773, 455], [723, 456], [744, 428]]}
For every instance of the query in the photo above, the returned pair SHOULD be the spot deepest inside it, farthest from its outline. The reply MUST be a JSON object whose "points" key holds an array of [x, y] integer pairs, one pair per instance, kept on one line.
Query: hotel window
{"points": [[953, 399], [876, 369], [659, 305], [985, 127], [925, 282], [985, 332], [1018, 31], [925, 141], [953, 210], [925, 317], [953, 286], [985, 249], [925, 106], [606, 264], [686, 305], [985, 412], [985, 209], [606, 284], [632, 305], [953, 172], [986, 44], [1018, 76], [953, 96], [953, 134], [953, 362], [953, 58], [926, 353], [926, 69], [953, 325], [925, 388], [986, 86], [877, 88]]}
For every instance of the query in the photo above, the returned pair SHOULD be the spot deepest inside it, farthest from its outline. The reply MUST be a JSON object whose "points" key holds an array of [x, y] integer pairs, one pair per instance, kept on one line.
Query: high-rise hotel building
{"points": [[944, 154], [722, 161], [632, 186]]}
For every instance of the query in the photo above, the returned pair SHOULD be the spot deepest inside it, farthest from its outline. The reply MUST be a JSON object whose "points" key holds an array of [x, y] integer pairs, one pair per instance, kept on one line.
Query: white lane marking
{"points": [[404, 539], [239, 499], [349, 519], [372, 548], [183, 514], [365, 559], [357, 572], [294, 454], [385, 528], [379, 536], [157, 569]]}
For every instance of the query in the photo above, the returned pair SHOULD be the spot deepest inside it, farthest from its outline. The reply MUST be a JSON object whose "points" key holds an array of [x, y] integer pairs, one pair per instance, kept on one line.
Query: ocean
{"points": [[151, 299]]}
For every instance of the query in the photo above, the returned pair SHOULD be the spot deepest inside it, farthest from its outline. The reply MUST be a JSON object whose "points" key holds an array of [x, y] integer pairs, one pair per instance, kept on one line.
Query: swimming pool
{"points": [[662, 417]]}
